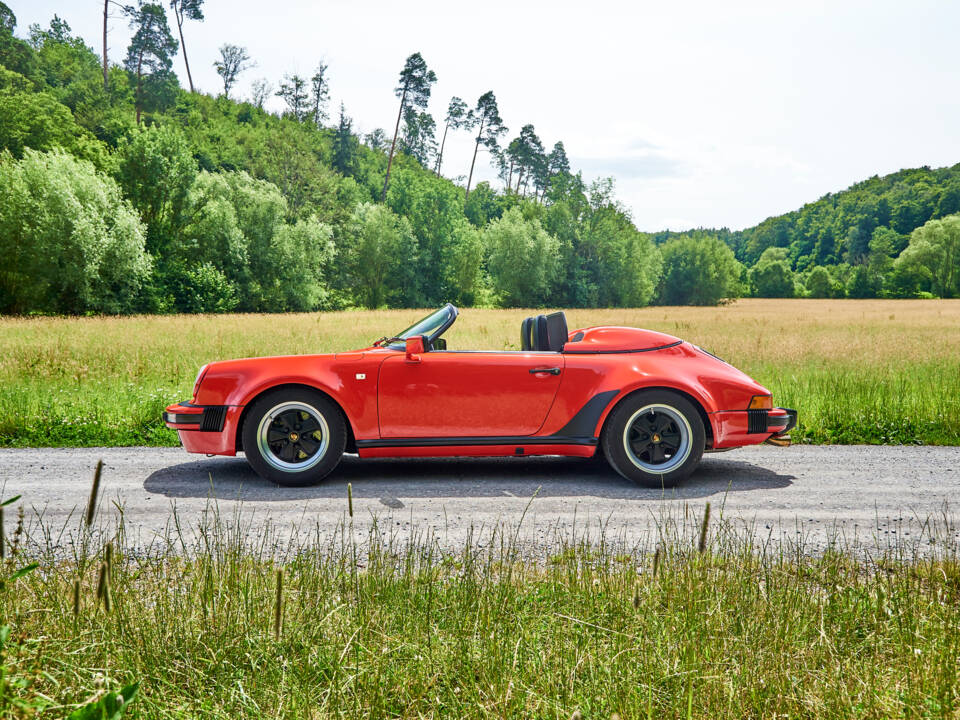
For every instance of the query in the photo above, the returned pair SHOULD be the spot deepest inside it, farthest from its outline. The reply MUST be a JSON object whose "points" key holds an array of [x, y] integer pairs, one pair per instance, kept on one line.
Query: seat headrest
{"points": [[557, 332], [541, 339], [526, 334]]}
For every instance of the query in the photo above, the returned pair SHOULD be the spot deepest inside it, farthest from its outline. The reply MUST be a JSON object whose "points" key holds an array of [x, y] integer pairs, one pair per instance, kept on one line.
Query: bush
{"points": [[698, 270], [523, 259], [70, 243]]}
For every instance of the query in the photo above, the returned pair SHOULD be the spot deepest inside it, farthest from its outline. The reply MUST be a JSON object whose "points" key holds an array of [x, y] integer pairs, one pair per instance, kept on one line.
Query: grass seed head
{"points": [[278, 606], [94, 492], [702, 546]]}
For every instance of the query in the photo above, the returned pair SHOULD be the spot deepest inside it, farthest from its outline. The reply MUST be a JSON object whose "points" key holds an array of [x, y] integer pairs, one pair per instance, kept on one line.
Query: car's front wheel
{"points": [[294, 436], [655, 438]]}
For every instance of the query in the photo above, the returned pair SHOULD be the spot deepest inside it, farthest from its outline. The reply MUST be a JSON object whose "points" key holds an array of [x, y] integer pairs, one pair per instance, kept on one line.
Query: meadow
{"points": [[858, 371], [220, 620]]}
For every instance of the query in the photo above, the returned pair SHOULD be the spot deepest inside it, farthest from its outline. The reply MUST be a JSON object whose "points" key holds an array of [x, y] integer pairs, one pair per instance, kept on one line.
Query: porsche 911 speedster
{"points": [[651, 403]]}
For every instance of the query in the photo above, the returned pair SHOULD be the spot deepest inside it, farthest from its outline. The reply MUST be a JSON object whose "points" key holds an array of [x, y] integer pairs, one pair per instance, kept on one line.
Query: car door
{"points": [[467, 394]]}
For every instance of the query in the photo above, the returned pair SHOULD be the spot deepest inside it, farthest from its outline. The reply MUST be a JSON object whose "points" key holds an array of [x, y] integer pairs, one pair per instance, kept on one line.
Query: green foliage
{"points": [[819, 283], [772, 277], [110, 706], [156, 170], [379, 258], [70, 242], [523, 260], [30, 119], [933, 257], [698, 270]]}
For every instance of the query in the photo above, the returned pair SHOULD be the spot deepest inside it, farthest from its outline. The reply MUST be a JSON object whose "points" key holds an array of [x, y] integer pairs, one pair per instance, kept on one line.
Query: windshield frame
{"points": [[448, 315]]}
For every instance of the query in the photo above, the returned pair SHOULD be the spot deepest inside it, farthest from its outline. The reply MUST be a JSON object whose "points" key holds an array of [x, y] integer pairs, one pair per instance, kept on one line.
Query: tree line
{"points": [[122, 192]]}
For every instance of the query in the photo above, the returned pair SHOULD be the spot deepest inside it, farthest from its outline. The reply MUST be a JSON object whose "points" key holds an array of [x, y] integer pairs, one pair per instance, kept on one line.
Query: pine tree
{"points": [[186, 10], [344, 145], [151, 48], [456, 118], [486, 118], [416, 81]]}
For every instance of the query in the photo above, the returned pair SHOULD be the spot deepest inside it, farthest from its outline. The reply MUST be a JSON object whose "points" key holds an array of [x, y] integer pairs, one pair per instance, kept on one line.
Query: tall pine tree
{"points": [[416, 81], [151, 49]]}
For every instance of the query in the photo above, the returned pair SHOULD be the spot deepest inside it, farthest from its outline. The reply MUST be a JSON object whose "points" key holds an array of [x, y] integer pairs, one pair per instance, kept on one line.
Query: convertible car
{"points": [[650, 403]]}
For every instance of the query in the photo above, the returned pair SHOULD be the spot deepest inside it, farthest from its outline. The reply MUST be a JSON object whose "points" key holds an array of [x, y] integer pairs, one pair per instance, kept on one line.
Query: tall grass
{"points": [[221, 620], [869, 371]]}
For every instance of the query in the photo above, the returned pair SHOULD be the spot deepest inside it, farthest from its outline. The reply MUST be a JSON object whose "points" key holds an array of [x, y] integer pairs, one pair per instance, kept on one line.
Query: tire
{"points": [[306, 455], [654, 437]]}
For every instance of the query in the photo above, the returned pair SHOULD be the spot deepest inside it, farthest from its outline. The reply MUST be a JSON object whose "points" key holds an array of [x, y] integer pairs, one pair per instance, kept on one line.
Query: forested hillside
{"points": [[121, 191]]}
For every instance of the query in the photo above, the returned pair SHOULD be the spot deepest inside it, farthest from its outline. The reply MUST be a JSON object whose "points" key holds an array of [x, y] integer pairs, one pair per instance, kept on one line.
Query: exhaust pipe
{"points": [[778, 440]]}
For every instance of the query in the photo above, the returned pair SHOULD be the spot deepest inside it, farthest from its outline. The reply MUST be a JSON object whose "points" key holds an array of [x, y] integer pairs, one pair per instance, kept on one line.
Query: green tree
{"points": [[486, 118], [186, 10], [149, 54], [345, 145], [818, 283], [416, 83], [293, 90], [319, 95], [418, 136], [698, 270], [483, 205], [69, 241], [772, 277], [934, 253], [156, 170], [380, 257], [522, 258], [233, 61], [30, 119], [455, 119]]}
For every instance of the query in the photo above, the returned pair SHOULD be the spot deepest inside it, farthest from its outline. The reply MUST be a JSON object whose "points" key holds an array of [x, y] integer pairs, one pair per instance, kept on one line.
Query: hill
{"points": [[122, 192]]}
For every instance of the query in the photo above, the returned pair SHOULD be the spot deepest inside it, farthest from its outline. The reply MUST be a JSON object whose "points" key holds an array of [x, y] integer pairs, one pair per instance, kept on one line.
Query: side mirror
{"points": [[415, 346]]}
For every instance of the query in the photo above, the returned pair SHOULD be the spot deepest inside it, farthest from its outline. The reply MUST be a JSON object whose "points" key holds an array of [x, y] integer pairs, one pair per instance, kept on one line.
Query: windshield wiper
{"points": [[387, 341]]}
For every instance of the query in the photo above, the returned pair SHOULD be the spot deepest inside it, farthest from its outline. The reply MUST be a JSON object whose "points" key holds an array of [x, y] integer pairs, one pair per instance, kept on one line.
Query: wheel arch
{"points": [[238, 439], [695, 401]]}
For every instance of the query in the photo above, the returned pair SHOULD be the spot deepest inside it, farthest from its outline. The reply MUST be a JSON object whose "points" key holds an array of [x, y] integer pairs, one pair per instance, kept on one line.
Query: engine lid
{"points": [[612, 339]]}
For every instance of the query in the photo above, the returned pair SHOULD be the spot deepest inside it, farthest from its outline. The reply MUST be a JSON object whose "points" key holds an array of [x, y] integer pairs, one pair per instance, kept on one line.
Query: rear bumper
{"points": [[207, 429], [736, 428]]}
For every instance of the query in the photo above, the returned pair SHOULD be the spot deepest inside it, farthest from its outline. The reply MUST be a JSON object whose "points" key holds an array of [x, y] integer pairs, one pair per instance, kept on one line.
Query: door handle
{"points": [[549, 371]]}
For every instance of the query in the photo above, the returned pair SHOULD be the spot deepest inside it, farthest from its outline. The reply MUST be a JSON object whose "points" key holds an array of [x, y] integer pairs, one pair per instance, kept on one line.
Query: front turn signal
{"points": [[761, 402]]}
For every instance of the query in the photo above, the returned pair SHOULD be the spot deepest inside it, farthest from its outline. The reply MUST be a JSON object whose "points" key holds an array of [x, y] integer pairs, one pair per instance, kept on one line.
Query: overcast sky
{"points": [[707, 114]]}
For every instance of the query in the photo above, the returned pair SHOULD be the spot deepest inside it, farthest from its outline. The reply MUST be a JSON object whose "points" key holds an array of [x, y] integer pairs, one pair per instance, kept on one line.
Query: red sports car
{"points": [[651, 403]]}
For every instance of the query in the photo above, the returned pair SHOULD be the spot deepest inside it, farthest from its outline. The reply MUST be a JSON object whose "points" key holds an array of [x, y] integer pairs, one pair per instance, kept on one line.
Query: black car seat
{"points": [[541, 338], [526, 334], [557, 332]]}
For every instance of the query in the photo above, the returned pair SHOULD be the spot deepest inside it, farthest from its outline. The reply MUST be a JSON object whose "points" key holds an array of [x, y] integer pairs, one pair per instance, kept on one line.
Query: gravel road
{"points": [[873, 496]]}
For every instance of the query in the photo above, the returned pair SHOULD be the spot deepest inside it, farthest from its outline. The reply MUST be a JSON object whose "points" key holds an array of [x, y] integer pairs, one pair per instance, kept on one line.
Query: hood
{"points": [[611, 339]]}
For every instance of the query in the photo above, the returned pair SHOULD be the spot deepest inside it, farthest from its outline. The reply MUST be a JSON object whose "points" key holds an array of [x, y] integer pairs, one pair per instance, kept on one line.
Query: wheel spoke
{"points": [[657, 454], [309, 425], [288, 452], [275, 435], [308, 444], [640, 446]]}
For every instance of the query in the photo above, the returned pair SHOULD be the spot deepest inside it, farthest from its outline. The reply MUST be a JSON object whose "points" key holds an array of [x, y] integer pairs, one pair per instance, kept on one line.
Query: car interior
{"points": [[544, 333]]}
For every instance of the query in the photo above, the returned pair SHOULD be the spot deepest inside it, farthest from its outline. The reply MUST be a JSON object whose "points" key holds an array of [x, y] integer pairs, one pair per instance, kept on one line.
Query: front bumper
{"points": [[208, 429], [736, 428]]}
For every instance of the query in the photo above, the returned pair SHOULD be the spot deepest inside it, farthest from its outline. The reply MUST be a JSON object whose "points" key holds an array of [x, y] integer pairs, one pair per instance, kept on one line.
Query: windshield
{"points": [[433, 325]]}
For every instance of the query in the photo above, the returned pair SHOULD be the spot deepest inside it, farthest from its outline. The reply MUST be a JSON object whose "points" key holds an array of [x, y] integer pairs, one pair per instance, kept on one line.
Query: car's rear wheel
{"points": [[294, 436], [655, 438]]}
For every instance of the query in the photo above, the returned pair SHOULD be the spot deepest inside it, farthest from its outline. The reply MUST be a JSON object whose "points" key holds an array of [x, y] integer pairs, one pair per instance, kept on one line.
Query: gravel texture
{"points": [[873, 497]]}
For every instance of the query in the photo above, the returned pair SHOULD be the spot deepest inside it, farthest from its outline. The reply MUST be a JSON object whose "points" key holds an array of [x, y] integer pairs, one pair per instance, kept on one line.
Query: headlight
{"points": [[196, 383]]}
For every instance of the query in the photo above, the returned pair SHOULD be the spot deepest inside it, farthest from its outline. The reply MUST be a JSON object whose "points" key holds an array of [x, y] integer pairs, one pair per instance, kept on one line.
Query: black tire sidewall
{"points": [[336, 424], [616, 454]]}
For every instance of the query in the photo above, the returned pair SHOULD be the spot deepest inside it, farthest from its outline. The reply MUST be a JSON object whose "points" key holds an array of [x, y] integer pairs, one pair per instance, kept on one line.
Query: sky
{"points": [[707, 114]]}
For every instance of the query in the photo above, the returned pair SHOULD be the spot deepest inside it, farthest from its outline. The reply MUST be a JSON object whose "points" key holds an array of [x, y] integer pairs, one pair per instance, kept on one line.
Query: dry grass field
{"points": [[874, 371]]}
